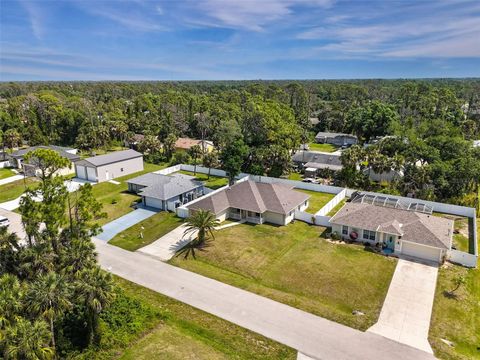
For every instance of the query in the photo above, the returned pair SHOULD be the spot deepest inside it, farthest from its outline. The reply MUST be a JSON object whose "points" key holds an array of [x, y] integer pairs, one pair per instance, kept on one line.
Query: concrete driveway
{"points": [[406, 312], [122, 223], [166, 247], [16, 225]]}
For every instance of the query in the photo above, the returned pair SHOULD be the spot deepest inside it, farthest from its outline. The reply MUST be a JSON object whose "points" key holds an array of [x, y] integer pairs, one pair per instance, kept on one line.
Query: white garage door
{"points": [[81, 172], [419, 251], [155, 203], [91, 174]]}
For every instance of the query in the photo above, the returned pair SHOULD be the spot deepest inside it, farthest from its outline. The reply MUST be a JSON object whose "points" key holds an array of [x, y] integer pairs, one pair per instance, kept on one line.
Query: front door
{"points": [[243, 214], [390, 242]]}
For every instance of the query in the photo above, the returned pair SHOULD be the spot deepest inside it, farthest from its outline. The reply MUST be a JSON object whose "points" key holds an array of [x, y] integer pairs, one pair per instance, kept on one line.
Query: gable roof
{"points": [[112, 157], [318, 160], [62, 151], [253, 196], [187, 143], [412, 226], [164, 187]]}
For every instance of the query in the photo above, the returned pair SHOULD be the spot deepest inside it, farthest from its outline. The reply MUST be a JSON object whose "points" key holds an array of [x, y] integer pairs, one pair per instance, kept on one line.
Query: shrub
{"points": [[336, 236]]}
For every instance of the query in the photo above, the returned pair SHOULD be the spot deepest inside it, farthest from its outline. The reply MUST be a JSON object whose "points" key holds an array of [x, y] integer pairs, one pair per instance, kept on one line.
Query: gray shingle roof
{"points": [[164, 187], [60, 149], [113, 157], [323, 134], [412, 226], [311, 158], [253, 196]]}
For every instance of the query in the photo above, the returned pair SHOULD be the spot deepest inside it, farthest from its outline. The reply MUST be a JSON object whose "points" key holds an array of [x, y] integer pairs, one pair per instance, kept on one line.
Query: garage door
{"points": [[155, 203], [91, 174], [81, 172], [419, 251]]}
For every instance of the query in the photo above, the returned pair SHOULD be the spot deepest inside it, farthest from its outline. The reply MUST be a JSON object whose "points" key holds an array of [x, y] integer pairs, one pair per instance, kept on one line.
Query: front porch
{"points": [[248, 216]]}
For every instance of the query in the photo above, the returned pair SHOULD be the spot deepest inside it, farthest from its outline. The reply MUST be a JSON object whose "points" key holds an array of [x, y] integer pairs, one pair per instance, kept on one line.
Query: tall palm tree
{"points": [[10, 296], [9, 249], [97, 291], [201, 224], [49, 297], [195, 151], [27, 340]]}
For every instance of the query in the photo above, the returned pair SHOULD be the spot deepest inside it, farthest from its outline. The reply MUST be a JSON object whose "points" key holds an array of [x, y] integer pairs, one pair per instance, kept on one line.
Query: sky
{"points": [[238, 39]]}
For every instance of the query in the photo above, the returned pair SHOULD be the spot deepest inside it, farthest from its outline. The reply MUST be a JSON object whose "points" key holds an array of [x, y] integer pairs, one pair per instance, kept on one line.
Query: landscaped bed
{"points": [[317, 200], [143, 324], [214, 182], [293, 265], [153, 228]]}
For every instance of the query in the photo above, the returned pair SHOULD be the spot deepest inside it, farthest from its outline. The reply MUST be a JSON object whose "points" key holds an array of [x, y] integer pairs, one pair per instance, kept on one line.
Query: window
{"points": [[345, 230], [369, 235]]}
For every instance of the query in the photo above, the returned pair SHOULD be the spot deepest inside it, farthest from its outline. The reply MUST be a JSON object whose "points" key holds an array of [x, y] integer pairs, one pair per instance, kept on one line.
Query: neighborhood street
{"points": [[309, 334]]}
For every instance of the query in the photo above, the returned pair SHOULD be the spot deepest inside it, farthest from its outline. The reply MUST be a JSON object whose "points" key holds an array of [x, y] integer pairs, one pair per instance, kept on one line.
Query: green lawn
{"points": [[5, 173], [168, 329], [322, 147], [295, 176], [317, 200], [154, 228], [294, 265], [115, 198], [214, 182], [337, 207], [14, 189]]}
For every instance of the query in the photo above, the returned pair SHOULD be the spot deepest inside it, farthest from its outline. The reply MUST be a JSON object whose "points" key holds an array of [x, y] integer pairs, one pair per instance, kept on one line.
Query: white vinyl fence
{"points": [[462, 258], [337, 199]]}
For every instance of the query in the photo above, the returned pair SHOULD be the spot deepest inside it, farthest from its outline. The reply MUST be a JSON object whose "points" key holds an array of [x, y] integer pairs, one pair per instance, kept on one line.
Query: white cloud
{"points": [[36, 17]]}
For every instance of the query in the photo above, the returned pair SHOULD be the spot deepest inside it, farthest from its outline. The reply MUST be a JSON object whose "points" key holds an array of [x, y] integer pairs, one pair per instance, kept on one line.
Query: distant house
{"points": [[134, 141], [166, 192], [338, 139], [314, 162], [254, 202], [109, 166], [406, 229], [387, 176], [184, 144], [31, 168]]}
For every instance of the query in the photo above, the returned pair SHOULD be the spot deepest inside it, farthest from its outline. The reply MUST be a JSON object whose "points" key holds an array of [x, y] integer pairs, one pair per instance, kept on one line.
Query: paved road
{"points": [[124, 222], [11, 179], [307, 333], [406, 312]]}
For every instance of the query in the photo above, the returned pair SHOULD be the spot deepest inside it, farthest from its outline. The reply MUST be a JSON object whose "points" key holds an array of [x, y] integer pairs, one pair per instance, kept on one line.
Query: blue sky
{"points": [[226, 39]]}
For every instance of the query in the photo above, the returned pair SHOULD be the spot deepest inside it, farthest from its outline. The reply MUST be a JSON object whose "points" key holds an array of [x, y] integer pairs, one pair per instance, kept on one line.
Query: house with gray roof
{"points": [[166, 192], [402, 230], [338, 139], [16, 159], [254, 202], [313, 162], [109, 166]]}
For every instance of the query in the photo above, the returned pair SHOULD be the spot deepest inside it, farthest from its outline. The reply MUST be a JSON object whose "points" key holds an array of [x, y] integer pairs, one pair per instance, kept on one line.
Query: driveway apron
{"points": [[124, 222]]}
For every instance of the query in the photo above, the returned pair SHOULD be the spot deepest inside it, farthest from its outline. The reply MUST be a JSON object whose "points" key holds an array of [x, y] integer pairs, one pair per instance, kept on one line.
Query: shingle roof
{"points": [[411, 225], [187, 143], [113, 157], [322, 134], [164, 187], [311, 158], [253, 196], [59, 149]]}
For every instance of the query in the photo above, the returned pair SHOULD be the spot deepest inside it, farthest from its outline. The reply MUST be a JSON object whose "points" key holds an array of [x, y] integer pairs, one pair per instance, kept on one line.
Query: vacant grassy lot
{"points": [[214, 182], [14, 189], [179, 331], [293, 265], [154, 228], [317, 200], [5, 173], [115, 198], [322, 147]]}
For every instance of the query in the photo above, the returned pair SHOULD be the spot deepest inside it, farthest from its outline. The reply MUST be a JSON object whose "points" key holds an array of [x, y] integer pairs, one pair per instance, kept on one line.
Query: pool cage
{"points": [[386, 201]]}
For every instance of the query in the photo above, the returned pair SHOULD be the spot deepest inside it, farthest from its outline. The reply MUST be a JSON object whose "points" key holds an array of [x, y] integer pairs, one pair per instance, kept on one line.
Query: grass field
{"points": [[183, 332], [317, 200], [293, 265], [295, 176], [5, 173], [115, 198], [214, 182], [461, 240], [14, 189], [154, 228], [322, 147]]}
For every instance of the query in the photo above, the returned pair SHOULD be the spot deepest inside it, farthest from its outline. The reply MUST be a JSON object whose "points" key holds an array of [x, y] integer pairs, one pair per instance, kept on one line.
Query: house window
{"points": [[345, 230], [369, 235]]}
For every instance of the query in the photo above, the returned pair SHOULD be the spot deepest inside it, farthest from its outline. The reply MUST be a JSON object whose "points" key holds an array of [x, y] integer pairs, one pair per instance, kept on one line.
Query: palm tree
{"points": [[10, 296], [49, 296], [195, 151], [97, 291], [27, 340], [210, 160], [202, 224], [9, 248]]}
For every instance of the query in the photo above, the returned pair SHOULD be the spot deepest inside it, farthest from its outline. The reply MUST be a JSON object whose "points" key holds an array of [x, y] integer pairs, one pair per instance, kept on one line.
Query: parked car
{"points": [[311, 180], [4, 221]]}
